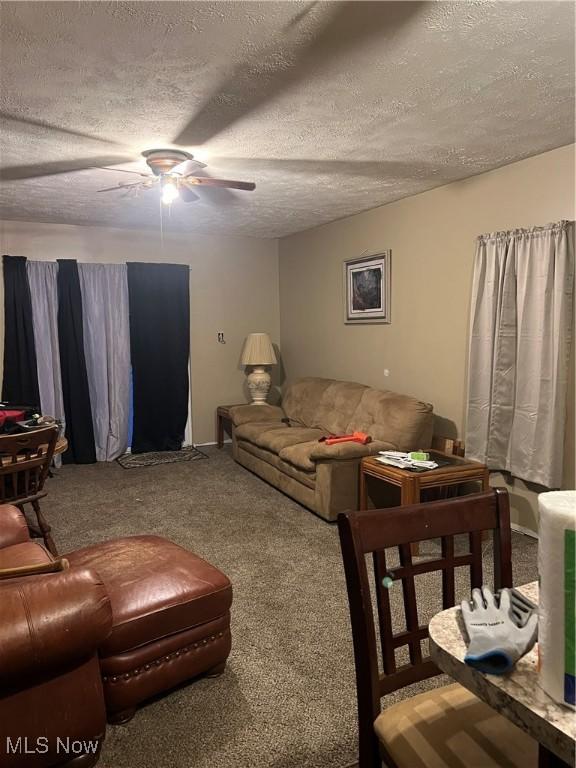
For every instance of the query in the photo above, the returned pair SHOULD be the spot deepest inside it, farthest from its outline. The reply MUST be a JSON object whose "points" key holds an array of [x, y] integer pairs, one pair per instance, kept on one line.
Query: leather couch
{"points": [[130, 618], [281, 444], [51, 626]]}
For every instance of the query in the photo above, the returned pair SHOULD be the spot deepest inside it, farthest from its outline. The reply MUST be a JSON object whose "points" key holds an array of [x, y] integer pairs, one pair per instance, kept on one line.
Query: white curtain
{"points": [[521, 332], [107, 348], [42, 279]]}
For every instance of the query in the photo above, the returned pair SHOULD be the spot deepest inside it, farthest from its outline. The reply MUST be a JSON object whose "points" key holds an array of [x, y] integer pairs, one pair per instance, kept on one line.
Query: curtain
{"points": [[159, 302], [42, 279], [104, 290], [20, 383], [521, 332], [75, 390]]}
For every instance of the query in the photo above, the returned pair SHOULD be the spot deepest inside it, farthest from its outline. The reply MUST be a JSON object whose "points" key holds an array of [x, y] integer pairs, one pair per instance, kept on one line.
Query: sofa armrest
{"points": [[18, 571], [49, 623], [351, 450], [243, 414], [13, 526]]}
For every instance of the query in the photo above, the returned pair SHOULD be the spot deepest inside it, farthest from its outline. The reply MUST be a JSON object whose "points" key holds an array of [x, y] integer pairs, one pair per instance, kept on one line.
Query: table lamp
{"points": [[258, 352]]}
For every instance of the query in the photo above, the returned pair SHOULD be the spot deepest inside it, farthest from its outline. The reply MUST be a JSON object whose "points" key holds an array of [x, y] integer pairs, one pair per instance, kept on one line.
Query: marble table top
{"points": [[518, 696]]}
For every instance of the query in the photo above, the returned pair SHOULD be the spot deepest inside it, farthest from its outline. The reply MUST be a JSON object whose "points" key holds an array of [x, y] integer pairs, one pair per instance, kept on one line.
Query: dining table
{"points": [[60, 447], [517, 696]]}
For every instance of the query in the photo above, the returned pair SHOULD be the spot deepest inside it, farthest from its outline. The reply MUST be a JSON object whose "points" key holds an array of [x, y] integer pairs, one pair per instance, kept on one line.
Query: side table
{"points": [[224, 422], [457, 471]]}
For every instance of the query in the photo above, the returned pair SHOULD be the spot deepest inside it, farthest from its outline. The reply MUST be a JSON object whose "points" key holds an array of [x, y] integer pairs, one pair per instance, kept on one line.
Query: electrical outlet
{"points": [[386, 372], [221, 339]]}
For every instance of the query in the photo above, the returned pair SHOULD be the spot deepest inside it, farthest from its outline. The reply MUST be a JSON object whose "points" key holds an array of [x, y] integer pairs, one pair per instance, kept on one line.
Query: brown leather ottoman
{"points": [[170, 618]]}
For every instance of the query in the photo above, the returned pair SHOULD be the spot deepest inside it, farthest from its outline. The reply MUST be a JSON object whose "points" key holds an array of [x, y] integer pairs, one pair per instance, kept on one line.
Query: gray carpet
{"points": [[287, 698]]}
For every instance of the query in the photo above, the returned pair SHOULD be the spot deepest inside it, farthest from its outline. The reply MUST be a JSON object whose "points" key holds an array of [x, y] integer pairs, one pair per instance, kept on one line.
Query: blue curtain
{"points": [[20, 383], [159, 347]]}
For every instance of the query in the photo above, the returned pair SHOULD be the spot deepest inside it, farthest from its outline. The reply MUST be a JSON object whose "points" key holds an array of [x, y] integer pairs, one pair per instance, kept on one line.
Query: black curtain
{"points": [[20, 384], [159, 348], [79, 427]]}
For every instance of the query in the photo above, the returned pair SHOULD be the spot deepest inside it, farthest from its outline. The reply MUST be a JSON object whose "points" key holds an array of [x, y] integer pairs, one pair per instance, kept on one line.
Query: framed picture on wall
{"points": [[367, 289]]}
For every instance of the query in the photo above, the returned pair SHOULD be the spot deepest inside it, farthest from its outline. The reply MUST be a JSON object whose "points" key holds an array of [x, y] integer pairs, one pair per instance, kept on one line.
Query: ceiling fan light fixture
{"points": [[169, 190], [162, 161]]}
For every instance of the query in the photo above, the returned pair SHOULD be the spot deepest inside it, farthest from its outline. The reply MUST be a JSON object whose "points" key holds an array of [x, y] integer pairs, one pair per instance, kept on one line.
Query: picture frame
{"points": [[367, 289]]}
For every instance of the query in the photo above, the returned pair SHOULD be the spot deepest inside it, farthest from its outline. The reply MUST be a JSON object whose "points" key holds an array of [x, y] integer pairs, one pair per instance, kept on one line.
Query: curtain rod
{"points": [[103, 263]]}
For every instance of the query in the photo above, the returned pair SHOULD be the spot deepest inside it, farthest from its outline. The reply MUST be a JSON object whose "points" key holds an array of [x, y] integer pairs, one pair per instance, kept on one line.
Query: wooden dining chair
{"points": [[445, 727], [25, 460]]}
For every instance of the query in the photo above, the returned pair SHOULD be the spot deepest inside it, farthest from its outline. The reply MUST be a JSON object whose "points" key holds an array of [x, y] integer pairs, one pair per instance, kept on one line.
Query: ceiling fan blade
{"points": [[123, 170], [55, 128], [206, 181], [301, 15], [16, 172], [219, 196], [118, 187], [369, 169], [187, 195], [254, 83], [188, 166]]}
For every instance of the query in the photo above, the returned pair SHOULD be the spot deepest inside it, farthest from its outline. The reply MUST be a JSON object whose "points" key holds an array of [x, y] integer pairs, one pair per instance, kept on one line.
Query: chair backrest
{"points": [[372, 533], [24, 463]]}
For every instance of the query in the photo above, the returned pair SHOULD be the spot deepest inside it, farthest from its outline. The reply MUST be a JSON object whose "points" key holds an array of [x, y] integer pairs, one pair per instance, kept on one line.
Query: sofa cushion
{"points": [[156, 589], [26, 553], [284, 482], [305, 455], [302, 398], [274, 436], [276, 439], [252, 431], [305, 477], [401, 420], [337, 405]]}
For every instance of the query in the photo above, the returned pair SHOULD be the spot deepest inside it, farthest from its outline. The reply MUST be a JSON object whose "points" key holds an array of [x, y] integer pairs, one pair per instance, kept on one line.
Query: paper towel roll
{"points": [[557, 601]]}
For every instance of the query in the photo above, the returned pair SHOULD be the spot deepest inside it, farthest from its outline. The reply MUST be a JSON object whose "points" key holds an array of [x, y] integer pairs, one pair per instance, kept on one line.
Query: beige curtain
{"points": [[521, 332]]}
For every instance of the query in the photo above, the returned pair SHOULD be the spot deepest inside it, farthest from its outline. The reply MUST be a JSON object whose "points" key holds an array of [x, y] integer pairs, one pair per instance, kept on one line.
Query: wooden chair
{"points": [[24, 464], [399, 734]]}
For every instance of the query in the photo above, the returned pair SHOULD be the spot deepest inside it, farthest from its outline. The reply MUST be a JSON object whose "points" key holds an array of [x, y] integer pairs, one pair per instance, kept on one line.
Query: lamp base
{"points": [[258, 385]]}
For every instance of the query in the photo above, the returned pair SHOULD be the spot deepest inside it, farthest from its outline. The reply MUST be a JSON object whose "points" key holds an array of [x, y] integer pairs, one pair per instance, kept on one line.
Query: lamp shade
{"points": [[258, 350]]}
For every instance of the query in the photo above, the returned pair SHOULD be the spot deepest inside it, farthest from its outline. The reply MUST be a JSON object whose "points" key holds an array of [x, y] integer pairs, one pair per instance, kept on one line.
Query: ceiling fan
{"points": [[342, 26], [173, 171]]}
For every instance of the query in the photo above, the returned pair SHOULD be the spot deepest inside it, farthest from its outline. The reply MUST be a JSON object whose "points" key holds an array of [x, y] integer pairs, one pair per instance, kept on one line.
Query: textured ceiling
{"points": [[331, 108]]}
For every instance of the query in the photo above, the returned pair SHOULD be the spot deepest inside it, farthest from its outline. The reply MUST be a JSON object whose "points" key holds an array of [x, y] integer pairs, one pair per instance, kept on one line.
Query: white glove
{"points": [[496, 641], [520, 608]]}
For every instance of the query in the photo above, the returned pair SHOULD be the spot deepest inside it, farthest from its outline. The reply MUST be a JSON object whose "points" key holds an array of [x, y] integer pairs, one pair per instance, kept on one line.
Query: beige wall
{"points": [[432, 241], [233, 288]]}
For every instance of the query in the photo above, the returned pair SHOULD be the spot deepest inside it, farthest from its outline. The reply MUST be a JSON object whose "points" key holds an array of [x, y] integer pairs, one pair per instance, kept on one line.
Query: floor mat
{"points": [[134, 460]]}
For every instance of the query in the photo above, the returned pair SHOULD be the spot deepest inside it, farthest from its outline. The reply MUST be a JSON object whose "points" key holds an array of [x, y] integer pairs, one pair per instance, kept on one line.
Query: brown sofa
{"points": [[50, 628], [282, 446], [130, 618]]}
